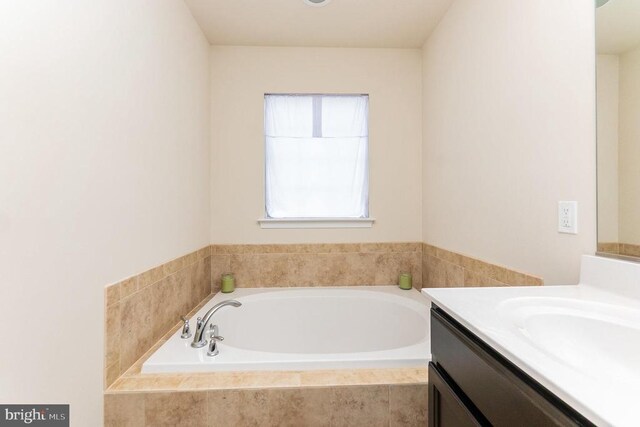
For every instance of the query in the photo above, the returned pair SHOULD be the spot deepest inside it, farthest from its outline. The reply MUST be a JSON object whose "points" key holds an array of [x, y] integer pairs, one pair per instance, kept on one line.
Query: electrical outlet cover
{"points": [[568, 217]]}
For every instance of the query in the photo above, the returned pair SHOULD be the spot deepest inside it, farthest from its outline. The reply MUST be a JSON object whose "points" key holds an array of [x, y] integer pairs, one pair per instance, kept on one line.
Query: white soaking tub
{"points": [[306, 329]]}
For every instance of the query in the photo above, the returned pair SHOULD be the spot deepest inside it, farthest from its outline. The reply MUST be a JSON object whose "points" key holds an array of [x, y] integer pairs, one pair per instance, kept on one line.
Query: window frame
{"points": [[316, 222]]}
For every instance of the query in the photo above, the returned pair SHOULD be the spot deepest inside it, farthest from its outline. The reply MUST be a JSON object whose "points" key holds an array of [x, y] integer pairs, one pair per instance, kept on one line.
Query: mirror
{"points": [[618, 112]]}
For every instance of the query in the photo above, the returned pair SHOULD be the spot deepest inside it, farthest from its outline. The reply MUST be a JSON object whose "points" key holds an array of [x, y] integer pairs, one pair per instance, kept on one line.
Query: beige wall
{"points": [[104, 146], [509, 130], [241, 76], [607, 97], [629, 130]]}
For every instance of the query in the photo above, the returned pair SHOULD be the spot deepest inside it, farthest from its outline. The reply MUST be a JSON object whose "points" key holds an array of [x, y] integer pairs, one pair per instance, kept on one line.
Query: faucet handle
{"points": [[214, 334], [213, 344], [186, 330]]}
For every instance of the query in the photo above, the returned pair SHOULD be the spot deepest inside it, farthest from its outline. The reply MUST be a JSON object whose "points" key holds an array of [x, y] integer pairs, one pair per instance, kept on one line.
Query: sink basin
{"points": [[599, 340]]}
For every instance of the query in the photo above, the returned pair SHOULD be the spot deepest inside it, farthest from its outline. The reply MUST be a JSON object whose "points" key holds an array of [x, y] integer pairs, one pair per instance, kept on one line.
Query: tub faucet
{"points": [[199, 339]]}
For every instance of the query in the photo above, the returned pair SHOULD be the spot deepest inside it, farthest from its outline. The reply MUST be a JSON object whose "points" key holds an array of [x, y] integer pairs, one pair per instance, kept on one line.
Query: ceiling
{"points": [[341, 23], [618, 26]]}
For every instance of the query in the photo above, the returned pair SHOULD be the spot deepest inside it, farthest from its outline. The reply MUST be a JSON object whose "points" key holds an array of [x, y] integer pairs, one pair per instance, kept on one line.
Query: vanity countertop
{"points": [[582, 342]]}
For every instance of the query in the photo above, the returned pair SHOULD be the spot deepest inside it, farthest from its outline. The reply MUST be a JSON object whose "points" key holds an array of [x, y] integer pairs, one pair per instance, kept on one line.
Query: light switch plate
{"points": [[568, 217]]}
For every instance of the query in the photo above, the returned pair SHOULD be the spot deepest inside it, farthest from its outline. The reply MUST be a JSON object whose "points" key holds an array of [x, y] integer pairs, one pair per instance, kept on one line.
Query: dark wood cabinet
{"points": [[446, 405], [470, 384]]}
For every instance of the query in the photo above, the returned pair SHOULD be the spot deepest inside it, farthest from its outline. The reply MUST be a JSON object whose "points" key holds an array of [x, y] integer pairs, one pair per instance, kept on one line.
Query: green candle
{"points": [[404, 281], [228, 283]]}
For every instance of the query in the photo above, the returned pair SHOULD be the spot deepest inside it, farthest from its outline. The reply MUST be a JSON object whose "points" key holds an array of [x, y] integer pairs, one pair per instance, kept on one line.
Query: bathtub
{"points": [[307, 329]]}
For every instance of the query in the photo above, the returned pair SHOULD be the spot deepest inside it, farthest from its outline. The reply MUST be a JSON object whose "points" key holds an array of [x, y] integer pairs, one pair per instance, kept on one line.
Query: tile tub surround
{"points": [[350, 397], [625, 249], [369, 405], [609, 247], [348, 264], [159, 296], [442, 268], [385, 397], [139, 310]]}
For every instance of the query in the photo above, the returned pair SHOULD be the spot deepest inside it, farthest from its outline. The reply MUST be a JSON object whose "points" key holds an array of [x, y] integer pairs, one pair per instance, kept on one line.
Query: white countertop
{"points": [[568, 347]]}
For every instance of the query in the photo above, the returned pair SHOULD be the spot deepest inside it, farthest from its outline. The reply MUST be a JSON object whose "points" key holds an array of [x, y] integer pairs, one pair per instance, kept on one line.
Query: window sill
{"points": [[316, 222]]}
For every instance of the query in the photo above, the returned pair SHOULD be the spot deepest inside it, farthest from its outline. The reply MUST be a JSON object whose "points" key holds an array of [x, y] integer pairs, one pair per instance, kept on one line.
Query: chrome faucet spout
{"points": [[198, 338]]}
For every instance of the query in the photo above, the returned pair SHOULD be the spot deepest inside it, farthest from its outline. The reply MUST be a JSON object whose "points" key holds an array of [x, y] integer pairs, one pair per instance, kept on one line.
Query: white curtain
{"points": [[316, 156]]}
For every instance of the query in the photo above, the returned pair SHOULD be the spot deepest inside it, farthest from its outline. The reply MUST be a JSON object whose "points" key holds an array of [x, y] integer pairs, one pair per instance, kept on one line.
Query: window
{"points": [[316, 162]]}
